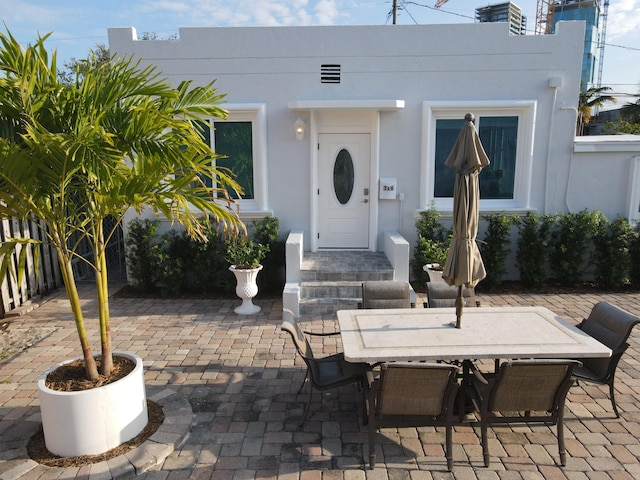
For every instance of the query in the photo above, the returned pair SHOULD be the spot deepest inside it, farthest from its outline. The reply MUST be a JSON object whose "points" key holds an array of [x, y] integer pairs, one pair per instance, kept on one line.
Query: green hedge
{"points": [[562, 249], [175, 263]]}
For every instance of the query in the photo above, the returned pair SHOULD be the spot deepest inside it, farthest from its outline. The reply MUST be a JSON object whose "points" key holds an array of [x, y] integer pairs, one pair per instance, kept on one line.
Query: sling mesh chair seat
{"points": [[527, 391], [611, 326], [323, 373], [412, 395]]}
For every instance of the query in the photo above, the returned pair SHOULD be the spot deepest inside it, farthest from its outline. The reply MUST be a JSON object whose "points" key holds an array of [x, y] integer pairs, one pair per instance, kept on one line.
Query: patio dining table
{"points": [[488, 333]]}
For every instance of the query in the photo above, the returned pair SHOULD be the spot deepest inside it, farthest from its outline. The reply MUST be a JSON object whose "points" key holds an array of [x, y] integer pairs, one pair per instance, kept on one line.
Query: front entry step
{"points": [[332, 280]]}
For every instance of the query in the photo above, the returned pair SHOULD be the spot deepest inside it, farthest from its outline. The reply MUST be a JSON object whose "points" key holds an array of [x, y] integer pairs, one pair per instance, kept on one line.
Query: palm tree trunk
{"points": [[72, 292], [102, 285]]}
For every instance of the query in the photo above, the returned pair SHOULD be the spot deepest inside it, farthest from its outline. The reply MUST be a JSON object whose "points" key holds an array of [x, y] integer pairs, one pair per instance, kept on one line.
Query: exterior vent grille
{"points": [[330, 73]]}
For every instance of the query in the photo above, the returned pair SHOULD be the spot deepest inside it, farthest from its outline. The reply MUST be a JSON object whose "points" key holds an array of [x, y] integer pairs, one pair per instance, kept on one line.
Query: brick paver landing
{"points": [[239, 378]]}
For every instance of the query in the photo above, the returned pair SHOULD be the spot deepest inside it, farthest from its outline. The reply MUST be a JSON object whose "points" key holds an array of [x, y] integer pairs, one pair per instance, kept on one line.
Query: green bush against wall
{"points": [[563, 249], [176, 263]]}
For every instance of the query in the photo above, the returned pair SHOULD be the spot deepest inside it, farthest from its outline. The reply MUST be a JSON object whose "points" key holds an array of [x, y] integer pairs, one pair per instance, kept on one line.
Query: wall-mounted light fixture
{"points": [[298, 127]]}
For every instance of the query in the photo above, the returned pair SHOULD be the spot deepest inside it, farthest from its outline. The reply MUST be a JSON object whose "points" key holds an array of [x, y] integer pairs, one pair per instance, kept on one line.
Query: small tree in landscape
{"points": [[494, 248], [611, 253], [593, 97], [533, 247], [115, 137], [432, 245]]}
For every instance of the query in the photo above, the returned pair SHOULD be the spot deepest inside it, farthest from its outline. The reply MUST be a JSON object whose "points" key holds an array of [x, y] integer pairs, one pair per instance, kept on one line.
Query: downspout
{"points": [[573, 149], [555, 83]]}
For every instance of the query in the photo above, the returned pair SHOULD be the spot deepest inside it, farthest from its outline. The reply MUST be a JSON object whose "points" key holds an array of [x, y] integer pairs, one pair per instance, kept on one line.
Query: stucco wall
{"points": [[605, 175], [462, 63]]}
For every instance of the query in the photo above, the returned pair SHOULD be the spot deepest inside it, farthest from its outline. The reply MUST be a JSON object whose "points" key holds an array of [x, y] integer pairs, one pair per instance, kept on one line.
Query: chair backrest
{"points": [[441, 295], [531, 385], [611, 326], [415, 389], [385, 294], [290, 325]]}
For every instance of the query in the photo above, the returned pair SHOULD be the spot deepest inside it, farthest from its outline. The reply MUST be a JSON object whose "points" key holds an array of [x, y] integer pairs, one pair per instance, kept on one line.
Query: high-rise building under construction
{"points": [[504, 12], [589, 11]]}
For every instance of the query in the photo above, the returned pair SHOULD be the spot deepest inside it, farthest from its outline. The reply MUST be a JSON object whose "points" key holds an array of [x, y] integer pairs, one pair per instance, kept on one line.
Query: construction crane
{"points": [[601, 41], [544, 17]]}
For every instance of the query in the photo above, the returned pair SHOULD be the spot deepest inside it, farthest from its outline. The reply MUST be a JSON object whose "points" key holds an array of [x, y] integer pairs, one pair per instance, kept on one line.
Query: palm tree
{"points": [[590, 98], [631, 112], [117, 137]]}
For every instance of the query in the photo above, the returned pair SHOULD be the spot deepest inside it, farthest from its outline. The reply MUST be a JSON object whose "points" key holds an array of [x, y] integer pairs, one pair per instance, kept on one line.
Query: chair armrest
{"points": [[476, 373], [370, 378], [316, 334]]}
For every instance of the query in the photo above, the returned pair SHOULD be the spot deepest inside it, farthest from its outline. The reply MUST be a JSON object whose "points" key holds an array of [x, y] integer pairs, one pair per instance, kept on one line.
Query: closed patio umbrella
{"points": [[464, 265]]}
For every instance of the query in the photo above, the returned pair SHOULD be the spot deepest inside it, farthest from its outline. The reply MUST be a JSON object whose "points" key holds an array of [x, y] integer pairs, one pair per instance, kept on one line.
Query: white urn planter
{"points": [[246, 289], [94, 421], [434, 270]]}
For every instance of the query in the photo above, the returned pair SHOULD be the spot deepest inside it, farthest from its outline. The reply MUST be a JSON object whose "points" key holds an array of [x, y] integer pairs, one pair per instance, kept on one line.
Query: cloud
{"points": [[243, 12], [22, 12], [623, 18], [327, 12]]}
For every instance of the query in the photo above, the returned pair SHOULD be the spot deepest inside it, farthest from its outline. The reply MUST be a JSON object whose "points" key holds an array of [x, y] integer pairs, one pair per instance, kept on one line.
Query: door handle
{"points": [[366, 200]]}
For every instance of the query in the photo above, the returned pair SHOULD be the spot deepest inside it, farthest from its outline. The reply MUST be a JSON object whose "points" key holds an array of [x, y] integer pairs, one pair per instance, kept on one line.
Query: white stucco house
{"points": [[349, 126]]}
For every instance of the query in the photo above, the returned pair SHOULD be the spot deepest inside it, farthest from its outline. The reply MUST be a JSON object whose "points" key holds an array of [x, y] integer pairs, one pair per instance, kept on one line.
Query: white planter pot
{"points": [[434, 271], [91, 422], [246, 289]]}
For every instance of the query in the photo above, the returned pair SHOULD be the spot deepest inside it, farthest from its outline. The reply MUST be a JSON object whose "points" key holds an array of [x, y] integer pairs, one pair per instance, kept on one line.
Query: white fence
{"points": [[34, 283]]}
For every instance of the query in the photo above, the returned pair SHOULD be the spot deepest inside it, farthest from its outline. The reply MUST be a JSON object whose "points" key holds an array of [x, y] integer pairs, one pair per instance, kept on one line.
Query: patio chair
{"points": [[441, 295], [322, 373], [519, 388], [412, 395], [385, 294], [611, 326]]}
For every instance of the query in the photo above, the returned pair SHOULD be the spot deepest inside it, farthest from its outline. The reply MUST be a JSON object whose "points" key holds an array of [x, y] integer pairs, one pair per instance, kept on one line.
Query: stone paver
{"points": [[228, 385]]}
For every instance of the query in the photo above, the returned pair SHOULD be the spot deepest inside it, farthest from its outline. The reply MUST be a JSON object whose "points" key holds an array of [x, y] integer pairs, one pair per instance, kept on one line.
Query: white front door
{"points": [[343, 193]]}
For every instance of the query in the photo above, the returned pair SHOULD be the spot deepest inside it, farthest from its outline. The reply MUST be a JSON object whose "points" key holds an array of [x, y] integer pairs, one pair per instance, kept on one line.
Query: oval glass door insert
{"points": [[343, 177]]}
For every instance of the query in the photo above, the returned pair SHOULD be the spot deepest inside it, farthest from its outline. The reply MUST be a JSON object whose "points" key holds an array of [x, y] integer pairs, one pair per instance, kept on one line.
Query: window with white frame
{"points": [[241, 139], [506, 132]]}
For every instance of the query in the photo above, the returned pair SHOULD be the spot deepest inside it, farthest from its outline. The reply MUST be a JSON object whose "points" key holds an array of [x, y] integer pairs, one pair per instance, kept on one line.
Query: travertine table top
{"points": [[487, 332]]}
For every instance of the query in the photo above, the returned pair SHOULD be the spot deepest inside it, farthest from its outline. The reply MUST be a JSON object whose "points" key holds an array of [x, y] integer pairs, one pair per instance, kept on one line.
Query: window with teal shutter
{"points": [[234, 141], [499, 137]]}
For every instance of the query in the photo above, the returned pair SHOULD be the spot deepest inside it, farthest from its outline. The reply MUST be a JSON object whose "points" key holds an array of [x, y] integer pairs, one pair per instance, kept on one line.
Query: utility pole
{"points": [[395, 12]]}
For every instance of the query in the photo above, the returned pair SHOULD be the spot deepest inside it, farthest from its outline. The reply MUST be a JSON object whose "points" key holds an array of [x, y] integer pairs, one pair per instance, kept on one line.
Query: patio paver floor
{"points": [[237, 378]]}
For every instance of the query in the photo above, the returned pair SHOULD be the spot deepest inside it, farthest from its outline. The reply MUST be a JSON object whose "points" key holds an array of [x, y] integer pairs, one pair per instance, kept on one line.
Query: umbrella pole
{"points": [[459, 307]]}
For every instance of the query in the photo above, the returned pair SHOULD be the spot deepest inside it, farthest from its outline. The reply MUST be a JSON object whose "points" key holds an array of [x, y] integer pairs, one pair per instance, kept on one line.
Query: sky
{"points": [[78, 25]]}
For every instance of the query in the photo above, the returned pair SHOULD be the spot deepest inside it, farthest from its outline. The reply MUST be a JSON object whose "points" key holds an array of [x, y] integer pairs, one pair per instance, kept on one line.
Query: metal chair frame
{"points": [[326, 372], [523, 386], [412, 395], [611, 326]]}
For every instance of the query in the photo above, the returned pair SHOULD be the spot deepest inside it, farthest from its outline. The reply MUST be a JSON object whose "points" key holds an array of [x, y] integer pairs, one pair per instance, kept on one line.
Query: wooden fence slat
{"points": [[32, 285], [49, 276], [22, 289], [5, 289]]}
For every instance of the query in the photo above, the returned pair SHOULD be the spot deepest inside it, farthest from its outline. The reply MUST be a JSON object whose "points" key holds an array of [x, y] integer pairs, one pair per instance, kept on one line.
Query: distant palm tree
{"points": [[631, 112], [590, 98]]}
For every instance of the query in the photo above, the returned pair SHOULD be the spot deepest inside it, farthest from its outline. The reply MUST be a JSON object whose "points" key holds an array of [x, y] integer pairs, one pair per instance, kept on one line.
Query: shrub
{"points": [[273, 276], [533, 247], [143, 253], [243, 252], [611, 254], [266, 230], [494, 248], [570, 244], [432, 245], [173, 269]]}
